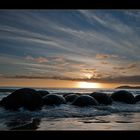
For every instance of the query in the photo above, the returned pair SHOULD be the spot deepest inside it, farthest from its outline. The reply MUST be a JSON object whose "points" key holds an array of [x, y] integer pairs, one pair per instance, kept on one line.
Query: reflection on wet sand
{"points": [[120, 121]]}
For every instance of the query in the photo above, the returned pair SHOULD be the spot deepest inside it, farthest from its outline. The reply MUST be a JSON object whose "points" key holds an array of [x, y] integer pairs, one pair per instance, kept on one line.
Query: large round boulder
{"points": [[71, 97], [102, 98], [123, 96], [24, 97], [42, 92], [85, 100], [64, 95], [137, 98], [53, 99]]}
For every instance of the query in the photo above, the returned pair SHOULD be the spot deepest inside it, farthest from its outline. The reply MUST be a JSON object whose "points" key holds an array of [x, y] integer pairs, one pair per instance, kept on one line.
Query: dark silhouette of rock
{"points": [[137, 98], [24, 97], [85, 100], [64, 95], [53, 99], [71, 97], [71, 93], [29, 126], [42, 92], [123, 96], [128, 87], [102, 98]]}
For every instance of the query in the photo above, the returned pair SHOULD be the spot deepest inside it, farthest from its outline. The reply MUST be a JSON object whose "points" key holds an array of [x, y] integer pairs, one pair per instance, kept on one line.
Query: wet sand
{"points": [[121, 121]]}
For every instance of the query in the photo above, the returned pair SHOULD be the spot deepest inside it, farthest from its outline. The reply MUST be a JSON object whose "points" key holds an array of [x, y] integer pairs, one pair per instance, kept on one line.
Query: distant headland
{"points": [[128, 87]]}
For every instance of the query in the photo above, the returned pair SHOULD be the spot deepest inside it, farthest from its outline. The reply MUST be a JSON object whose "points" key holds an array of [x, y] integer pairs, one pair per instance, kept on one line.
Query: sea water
{"points": [[118, 116]]}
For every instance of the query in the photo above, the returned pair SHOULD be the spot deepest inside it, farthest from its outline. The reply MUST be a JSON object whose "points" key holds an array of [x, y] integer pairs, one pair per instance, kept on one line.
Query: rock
{"points": [[123, 96], [64, 95], [29, 126], [85, 100], [102, 98], [53, 99], [71, 93], [71, 97], [137, 98], [24, 97], [42, 92]]}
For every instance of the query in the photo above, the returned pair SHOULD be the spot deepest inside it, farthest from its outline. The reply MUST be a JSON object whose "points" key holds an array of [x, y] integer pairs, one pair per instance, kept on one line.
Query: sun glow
{"points": [[88, 85], [88, 75]]}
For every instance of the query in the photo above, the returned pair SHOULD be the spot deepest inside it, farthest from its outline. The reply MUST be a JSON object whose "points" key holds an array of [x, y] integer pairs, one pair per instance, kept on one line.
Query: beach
{"points": [[117, 116]]}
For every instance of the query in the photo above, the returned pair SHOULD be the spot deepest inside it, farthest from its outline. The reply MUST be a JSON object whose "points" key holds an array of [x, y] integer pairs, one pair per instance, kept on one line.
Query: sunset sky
{"points": [[63, 48]]}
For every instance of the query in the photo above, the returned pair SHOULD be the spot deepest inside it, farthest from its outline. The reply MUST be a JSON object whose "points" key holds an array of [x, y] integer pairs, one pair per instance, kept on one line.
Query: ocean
{"points": [[118, 116]]}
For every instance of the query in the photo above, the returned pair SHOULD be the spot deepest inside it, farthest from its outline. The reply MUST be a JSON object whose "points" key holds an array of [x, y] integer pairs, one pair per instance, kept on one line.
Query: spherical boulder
{"points": [[42, 92], [53, 99], [64, 95], [123, 96], [24, 97], [102, 98], [137, 98], [71, 97], [85, 100], [70, 93]]}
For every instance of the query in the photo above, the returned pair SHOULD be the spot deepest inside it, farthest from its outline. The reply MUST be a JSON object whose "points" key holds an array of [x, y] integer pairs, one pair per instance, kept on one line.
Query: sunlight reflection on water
{"points": [[129, 121]]}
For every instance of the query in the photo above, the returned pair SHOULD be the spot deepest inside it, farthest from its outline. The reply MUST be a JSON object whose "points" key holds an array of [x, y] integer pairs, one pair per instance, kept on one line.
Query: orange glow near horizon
{"points": [[47, 83], [88, 85], [51, 83]]}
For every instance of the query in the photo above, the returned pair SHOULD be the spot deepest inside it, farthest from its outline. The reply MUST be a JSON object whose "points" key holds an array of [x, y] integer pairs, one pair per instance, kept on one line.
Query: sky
{"points": [[57, 48]]}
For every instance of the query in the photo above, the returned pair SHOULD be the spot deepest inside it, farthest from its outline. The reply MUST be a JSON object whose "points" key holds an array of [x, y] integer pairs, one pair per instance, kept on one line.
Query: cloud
{"points": [[56, 67], [59, 59], [134, 79], [102, 56], [131, 66], [105, 56], [63, 38], [37, 60], [127, 67], [119, 68], [124, 72], [90, 69], [134, 13], [67, 48], [118, 31], [104, 63], [41, 60], [1, 75], [88, 73], [94, 73], [107, 20], [29, 58]]}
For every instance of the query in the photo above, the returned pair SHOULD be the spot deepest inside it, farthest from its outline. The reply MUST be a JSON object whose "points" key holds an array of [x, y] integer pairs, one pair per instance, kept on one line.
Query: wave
{"points": [[24, 118], [66, 110], [69, 111]]}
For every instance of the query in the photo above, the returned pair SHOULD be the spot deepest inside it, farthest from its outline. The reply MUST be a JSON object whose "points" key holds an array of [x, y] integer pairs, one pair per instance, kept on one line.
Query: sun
{"points": [[88, 85]]}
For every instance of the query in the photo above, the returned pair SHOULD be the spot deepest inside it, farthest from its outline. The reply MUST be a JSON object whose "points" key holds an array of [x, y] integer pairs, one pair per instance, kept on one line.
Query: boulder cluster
{"points": [[32, 99]]}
